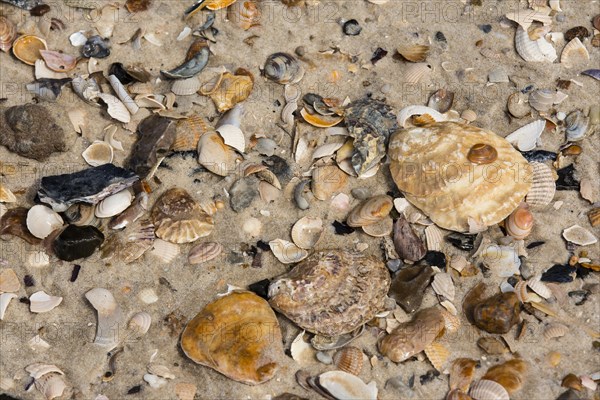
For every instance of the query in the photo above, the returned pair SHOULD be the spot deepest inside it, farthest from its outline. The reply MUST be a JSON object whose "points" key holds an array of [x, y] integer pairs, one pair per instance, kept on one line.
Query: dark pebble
{"points": [[440, 37], [351, 27], [579, 296], [24, 300], [40, 10], [260, 288], [75, 272], [135, 389], [539, 155], [435, 259], [566, 179], [497, 314], [461, 241], [280, 168], [559, 273], [408, 286], [29, 281], [342, 229], [378, 55], [77, 242], [485, 28], [119, 71], [263, 245], [429, 376], [580, 32], [533, 245], [95, 47]]}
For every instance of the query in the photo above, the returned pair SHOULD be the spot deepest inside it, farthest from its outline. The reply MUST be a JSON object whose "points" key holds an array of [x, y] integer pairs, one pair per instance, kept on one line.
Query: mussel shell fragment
{"points": [[156, 135], [96, 47], [193, 65]]}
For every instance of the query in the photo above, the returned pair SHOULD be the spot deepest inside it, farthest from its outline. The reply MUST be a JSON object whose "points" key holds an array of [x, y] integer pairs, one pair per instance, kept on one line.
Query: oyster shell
{"points": [[332, 292], [430, 166]]}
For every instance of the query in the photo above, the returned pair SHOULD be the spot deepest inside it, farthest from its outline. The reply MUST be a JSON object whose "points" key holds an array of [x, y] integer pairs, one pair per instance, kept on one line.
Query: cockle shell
{"points": [[51, 385], [307, 231], [442, 284], [5, 299], [42, 221], [539, 287], [283, 68], [555, 330], [114, 204], [484, 389], [543, 185], [287, 252], [520, 222], [215, 155], [434, 238], [343, 385], [574, 53], [413, 73], [526, 137], [244, 13], [59, 62], [109, 316], [204, 252], [311, 293], [430, 166], [41, 302], [186, 87], [164, 251], [98, 153], [178, 218], [349, 359], [9, 282], [437, 354], [414, 53], [370, 211], [8, 33], [579, 236], [27, 48], [188, 133], [218, 338], [540, 50]]}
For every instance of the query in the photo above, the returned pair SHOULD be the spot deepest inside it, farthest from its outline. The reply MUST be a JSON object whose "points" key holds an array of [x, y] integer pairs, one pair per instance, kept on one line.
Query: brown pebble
{"points": [[596, 22], [40, 10], [580, 32], [572, 381], [497, 314]]}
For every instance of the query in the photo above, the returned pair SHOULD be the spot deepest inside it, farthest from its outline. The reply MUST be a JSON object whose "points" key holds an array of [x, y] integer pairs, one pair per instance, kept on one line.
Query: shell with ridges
{"points": [[525, 138], [594, 217], [539, 287], [244, 13], [407, 112], [555, 330], [188, 133], [414, 53], [165, 251], [539, 50], [484, 389], [437, 354], [543, 186], [576, 125], [204, 252], [283, 68], [574, 53], [287, 252], [140, 323], [370, 211], [442, 284], [51, 385], [8, 33], [349, 359], [116, 108], [434, 238], [520, 222], [413, 73]]}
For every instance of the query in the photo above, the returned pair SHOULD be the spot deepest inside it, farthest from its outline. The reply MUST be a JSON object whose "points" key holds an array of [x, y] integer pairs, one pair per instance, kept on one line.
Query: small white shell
{"points": [[184, 33], [37, 370], [555, 330], [42, 221], [543, 185], [287, 252], [539, 50], [526, 18], [98, 153], [109, 137], [574, 53], [165, 251], [409, 111], [41, 302], [442, 284], [5, 299], [233, 136], [434, 237], [51, 386], [301, 350], [579, 236], [414, 72], [555, 5], [307, 231], [484, 389], [526, 137], [539, 287], [148, 296], [43, 72], [140, 323], [501, 260], [78, 38], [114, 204], [9, 281], [123, 94], [326, 150], [186, 87], [77, 116], [109, 316], [543, 99], [343, 385], [116, 108], [160, 370]]}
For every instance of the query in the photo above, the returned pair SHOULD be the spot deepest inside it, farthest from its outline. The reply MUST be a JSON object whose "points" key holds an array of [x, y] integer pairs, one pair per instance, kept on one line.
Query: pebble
{"points": [[408, 286], [265, 147], [352, 28], [360, 193], [497, 314], [394, 265], [77, 242], [242, 193]]}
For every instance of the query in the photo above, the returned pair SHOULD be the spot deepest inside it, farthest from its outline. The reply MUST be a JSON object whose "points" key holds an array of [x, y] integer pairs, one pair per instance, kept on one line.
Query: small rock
{"points": [[265, 147], [77, 242], [408, 286], [487, 28], [352, 28], [394, 265], [461, 241], [498, 313], [360, 193], [406, 242]]}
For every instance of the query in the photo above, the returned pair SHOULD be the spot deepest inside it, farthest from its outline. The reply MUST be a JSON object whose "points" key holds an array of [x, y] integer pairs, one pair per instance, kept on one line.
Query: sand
{"points": [[69, 329]]}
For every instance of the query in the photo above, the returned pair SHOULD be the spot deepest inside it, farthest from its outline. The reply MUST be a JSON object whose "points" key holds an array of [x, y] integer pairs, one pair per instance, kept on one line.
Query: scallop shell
{"points": [[540, 50], [579, 236], [435, 238], [9, 282], [42, 221], [185, 391], [574, 53], [204, 252], [502, 260], [283, 68], [370, 211], [109, 316], [178, 218], [6, 196], [244, 13], [520, 222], [484, 389], [555, 330], [469, 115], [58, 62], [307, 231], [148, 296], [140, 323], [342, 385], [5, 299], [413, 73], [41, 302], [186, 87], [442, 284], [576, 125], [287, 252], [424, 164], [116, 108], [526, 137], [114, 204], [437, 354], [414, 53], [380, 229], [8, 33], [27, 48], [349, 359], [543, 185], [165, 251], [51, 385]]}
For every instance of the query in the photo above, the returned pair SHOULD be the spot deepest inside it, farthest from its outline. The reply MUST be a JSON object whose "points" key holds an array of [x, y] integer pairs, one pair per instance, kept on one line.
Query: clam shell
{"points": [[380, 229], [215, 155], [469, 115], [442, 284], [140, 323], [204, 252], [413, 73], [441, 100], [287, 252], [9, 282], [484, 389], [5, 299], [178, 218], [414, 53], [109, 316], [327, 181], [27, 48], [59, 62], [6, 196], [326, 150], [555, 330], [233, 136], [164, 251], [509, 375], [539, 50], [435, 238], [42, 221], [51, 385], [502, 260], [244, 13], [320, 121], [343, 385], [301, 350], [461, 373], [543, 186], [148, 296], [81, 214], [539, 287], [38, 370], [114, 204], [349, 359], [185, 391], [543, 99], [116, 108], [370, 211], [574, 53], [41, 302], [186, 87], [579, 236], [492, 345], [307, 231], [283, 68], [526, 137], [437, 354], [576, 125], [519, 223], [8, 33]]}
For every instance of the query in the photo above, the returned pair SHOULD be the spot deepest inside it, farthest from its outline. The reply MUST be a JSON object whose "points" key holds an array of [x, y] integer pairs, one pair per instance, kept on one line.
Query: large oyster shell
{"points": [[332, 292], [430, 166]]}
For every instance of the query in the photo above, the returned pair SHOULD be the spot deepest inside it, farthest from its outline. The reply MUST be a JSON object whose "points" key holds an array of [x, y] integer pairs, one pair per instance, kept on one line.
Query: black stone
{"points": [[539, 155], [566, 179], [579, 296], [378, 55], [260, 288], [435, 259], [242, 193], [440, 37], [461, 241], [77, 242], [429, 376], [342, 229], [280, 168], [263, 245], [533, 245], [352, 28], [559, 273], [29, 281], [135, 389], [486, 28], [75, 272]]}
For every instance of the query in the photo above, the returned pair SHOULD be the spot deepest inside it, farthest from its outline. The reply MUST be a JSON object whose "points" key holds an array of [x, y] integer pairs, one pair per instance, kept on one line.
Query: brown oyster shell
{"points": [[430, 166], [178, 218], [332, 292], [237, 335]]}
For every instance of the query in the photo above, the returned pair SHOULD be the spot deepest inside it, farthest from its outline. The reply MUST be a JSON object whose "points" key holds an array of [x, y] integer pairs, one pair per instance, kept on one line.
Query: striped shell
{"points": [[287, 252], [349, 359], [414, 53], [555, 330], [186, 87], [574, 53], [283, 68], [437, 354], [442, 284], [543, 186], [434, 237], [594, 216], [451, 317], [140, 323], [461, 373], [8, 33], [415, 72], [188, 133], [370, 211], [244, 13], [520, 222], [539, 50], [204, 252], [488, 390], [539, 287], [164, 251]]}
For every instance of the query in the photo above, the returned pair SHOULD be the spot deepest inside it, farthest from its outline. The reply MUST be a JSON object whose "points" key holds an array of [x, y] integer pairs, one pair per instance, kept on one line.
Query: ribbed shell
{"points": [[8, 33], [434, 237], [574, 53], [533, 50], [594, 216], [204, 252], [437, 354], [555, 330], [413, 73], [349, 359], [485, 389], [442, 284], [543, 186], [188, 133], [461, 373]]}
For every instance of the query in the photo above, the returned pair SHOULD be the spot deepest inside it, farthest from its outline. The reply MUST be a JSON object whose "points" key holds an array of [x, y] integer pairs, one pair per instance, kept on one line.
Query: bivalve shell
{"points": [[380, 229], [370, 211], [8, 33], [204, 252], [415, 72], [576, 125], [42, 221], [543, 185], [555, 330], [185, 391], [109, 316], [343, 385], [186, 87], [442, 284], [307, 231], [160, 370], [41, 302], [579, 236], [574, 53], [543, 99], [526, 137], [461, 373], [414, 53], [244, 13], [509, 374], [164, 251], [283, 68], [594, 217], [540, 50], [327, 181], [434, 237], [485, 389], [407, 112], [215, 155], [5, 299], [539, 287], [114, 204], [140, 323], [287, 252], [437, 354], [9, 282], [148, 296], [520, 222], [518, 105], [38, 370], [51, 385], [349, 359], [116, 108], [27, 48], [58, 62]]}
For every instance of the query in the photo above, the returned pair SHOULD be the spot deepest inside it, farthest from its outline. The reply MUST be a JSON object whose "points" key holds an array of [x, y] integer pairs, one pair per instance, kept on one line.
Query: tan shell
{"points": [[594, 217], [185, 390], [349, 359], [188, 133], [427, 164], [230, 89], [8, 33], [215, 155], [517, 105], [381, 228], [140, 323], [370, 211], [461, 373], [287, 252], [98, 153], [469, 115], [492, 345], [485, 389], [437, 354], [59, 62], [244, 13], [27, 48], [578, 235], [311, 294], [164, 251], [307, 231], [442, 284], [413, 73], [9, 282], [543, 185], [434, 238], [204, 252], [509, 375], [6, 196], [51, 385], [320, 121], [555, 330], [520, 222], [482, 154], [327, 181], [574, 53], [178, 218], [414, 53]]}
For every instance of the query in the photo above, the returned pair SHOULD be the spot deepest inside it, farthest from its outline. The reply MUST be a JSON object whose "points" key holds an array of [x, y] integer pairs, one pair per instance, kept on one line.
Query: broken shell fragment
{"points": [[98, 153], [442, 284], [414, 53], [287, 252], [526, 137], [574, 53], [540, 50], [307, 231], [343, 385], [109, 316], [156, 135], [196, 60], [116, 108], [576, 125], [510, 375], [555, 330], [579, 236], [408, 245], [501, 260], [41, 302], [27, 48], [283, 68], [437, 354], [5, 299], [59, 62], [42, 220], [50, 385], [96, 47], [327, 181], [9, 282], [8, 33], [370, 211], [6, 196], [215, 155], [76, 242], [204, 252]]}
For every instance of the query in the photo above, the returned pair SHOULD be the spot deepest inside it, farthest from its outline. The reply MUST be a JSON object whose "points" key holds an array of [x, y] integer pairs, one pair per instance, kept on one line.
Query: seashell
{"points": [[343, 278], [283, 68], [301, 350], [539, 50], [526, 137], [307, 231], [5, 299], [413, 73], [434, 237], [185, 391], [251, 362], [229, 129], [38, 370], [27, 48], [178, 218], [543, 99], [594, 73], [468, 116], [492, 345], [320, 121], [215, 155], [140, 323], [186, 87], [441, 100], [188, 133], [148, 296], [572, 381], [109, 316], [98, 153], [520, 222], [154, 381], [6, 196], [380, 229], [9, 282], [539, 287], [408, 286], [59, 62], [451, 318], [594, 217], [41, 302], [459, 197], [114, 204], [326, 150], [78, 38], [80, 214], [51, 385], [343, 385], [287, 252], [574, 53], [14, 222], [509, 375], [327, 181], [442, 284], [204, 252], [349, 359], [8, 33], [77, 116], [502, 260], [195, 61], [482, 153], [123, 95], [437, 354], [414, 53], [576, 125], [160, 370], [165, 251], [518, 105], [543, 185], [370, 211], [42, 221], [497, 75], [244, 13], [231, 89], [116, 108], [555, 330], [484, 389], [579, 236]]}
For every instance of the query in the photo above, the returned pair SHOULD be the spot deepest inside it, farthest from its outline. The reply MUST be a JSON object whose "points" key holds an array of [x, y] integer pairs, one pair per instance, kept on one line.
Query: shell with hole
{"points": [[370, 211], [41, 302], [543, 185], [109, 316], [450, 195], [42, 221], [307, 231]]}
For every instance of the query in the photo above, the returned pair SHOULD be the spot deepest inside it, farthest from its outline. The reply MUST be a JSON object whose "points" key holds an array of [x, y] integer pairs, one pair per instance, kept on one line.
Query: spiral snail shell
{"points": [[520, 222], [482, 153]]}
